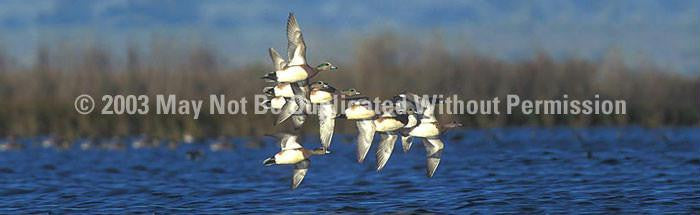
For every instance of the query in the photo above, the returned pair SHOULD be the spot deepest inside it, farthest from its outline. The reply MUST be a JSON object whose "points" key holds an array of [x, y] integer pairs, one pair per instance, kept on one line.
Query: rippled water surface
{"points": [[531, 170]]}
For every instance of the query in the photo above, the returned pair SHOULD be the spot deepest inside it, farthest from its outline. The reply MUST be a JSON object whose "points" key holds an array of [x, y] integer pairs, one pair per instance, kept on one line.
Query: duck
{"points": [[188, 138], [114, 143], [57, 142], [405, 107], [295, 104], [322, 95], [389, 125], [220, 144], [429, 130], [275, 95], [292, 153], [194, 154], [360, 109], [145, 141], [282, 89], [10, 144], [88, 143], [297, 72], [296, 69], [274, 103]]}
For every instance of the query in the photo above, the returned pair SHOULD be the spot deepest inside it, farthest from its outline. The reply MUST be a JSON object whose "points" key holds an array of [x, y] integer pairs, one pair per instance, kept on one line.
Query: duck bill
{"points": [[269, 161]]}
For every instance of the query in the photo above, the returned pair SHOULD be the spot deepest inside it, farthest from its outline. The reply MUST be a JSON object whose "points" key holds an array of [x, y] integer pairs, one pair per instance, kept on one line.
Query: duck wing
{"points": [[386, 146], [300, 170], [406, 142], [406, 139], [289, 141], [433, 149], [301, 95], [298, 121], [277, 59], [296, 48], [289, 108], [326, 119], [364, 138], [403, 104], [299, 105], [427, 108]]}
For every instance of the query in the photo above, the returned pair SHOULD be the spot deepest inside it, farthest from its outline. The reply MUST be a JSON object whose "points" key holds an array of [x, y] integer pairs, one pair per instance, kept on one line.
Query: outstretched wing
{"points": [[386, 146], [289, 141], [300, 170], [433, 149], [299, 104], [364, 138], [289, 108], [326, 120], [426, 107], [279, 62], [296, 48], [301, 96]]}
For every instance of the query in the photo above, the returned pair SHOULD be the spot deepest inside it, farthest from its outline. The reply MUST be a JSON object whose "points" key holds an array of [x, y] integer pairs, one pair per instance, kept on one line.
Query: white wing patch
{"points": [[433, 149], [326, 119], [296, 48], [289, 141], [300, 170], [386, 147], [364, 138]]}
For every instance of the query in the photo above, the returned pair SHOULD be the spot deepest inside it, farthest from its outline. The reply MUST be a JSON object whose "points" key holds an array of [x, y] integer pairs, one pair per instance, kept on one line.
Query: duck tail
{"points": [[270, 91], [341, 116], [267, 104], [270, 77], [269, 161]]}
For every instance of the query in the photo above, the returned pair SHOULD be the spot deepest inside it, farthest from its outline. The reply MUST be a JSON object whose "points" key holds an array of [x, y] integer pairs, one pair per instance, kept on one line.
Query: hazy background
{"points": [[51, 51], [659, 32]]}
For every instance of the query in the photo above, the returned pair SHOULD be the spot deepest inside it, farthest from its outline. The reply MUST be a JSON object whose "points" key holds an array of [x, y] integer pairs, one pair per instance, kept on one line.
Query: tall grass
{"points": [[38, 99]]}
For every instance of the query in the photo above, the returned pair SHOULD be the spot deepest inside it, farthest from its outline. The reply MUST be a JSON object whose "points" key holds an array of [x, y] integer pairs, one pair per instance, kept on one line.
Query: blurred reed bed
{"points": [[38, 99]]}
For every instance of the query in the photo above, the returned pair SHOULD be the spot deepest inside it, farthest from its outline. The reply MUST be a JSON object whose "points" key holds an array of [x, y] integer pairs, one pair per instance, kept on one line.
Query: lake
{"points": [[521, 170]]}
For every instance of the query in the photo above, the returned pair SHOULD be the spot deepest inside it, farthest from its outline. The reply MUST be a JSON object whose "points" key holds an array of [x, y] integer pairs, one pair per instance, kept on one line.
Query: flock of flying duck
{"points": [[410, 116]]}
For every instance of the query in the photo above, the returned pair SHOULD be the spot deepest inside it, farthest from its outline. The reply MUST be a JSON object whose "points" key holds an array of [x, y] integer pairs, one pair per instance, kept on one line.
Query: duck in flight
{"points": [[361, 110], [292, 153], [297, 73], [323, 95], [296, 69], [403, 106], [388, 125], [295, 104], [429, 130]]}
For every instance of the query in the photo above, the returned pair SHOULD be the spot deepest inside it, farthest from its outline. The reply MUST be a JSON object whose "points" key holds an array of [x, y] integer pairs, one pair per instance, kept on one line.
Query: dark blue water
{"points": [[524, 170]]}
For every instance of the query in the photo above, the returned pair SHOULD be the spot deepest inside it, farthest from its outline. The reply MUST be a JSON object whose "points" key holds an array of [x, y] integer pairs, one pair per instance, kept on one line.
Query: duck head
{"points": [[319, 85], [326, 66], [320, 151], [350, 92], [403, 105]]}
